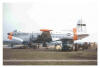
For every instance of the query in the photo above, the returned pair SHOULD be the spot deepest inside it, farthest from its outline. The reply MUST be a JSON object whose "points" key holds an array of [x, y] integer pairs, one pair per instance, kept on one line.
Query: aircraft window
{"points": [[15, 34]]}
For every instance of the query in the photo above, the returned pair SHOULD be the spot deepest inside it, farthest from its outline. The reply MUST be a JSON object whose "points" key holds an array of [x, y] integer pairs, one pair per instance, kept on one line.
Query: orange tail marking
{"points": [[75, 34]]}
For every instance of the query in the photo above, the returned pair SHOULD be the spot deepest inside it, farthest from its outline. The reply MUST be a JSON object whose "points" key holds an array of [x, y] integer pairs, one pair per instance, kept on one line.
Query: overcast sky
{"points": [[50, 14]]}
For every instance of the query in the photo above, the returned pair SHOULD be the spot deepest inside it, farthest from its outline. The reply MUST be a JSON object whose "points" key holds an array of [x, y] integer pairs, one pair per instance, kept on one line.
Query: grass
{"points": [[28, 54], [50, 63]]}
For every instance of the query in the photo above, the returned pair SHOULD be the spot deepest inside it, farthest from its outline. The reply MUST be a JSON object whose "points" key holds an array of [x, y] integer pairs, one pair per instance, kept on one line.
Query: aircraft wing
{"points": [[81, 36]]}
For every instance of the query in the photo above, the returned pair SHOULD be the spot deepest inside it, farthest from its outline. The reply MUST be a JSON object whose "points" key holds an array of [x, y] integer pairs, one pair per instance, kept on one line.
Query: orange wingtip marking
{"points": [[45, 30]]}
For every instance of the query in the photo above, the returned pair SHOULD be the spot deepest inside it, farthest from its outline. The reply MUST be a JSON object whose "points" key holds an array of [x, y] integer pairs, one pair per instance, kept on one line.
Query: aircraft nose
{"points": [[16, 40], [11, 33], [8, 33]]}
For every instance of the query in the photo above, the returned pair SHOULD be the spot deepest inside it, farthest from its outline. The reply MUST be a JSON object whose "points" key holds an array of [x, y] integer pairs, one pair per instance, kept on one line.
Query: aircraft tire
{"points": [[73, 48], [58, 47]]}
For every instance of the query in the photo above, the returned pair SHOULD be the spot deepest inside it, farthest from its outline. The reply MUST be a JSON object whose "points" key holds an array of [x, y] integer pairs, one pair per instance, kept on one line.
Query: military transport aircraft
{"points": [[45, 37]]}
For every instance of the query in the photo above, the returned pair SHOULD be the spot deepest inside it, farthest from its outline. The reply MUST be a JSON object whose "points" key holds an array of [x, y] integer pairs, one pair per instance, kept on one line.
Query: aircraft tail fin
{"points": [[80, 31], [81, 28]]}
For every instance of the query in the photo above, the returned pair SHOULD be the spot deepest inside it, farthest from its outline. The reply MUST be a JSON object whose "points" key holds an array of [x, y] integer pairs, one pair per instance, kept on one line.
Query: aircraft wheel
{"points": [[73, 47], [58, 47]]}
